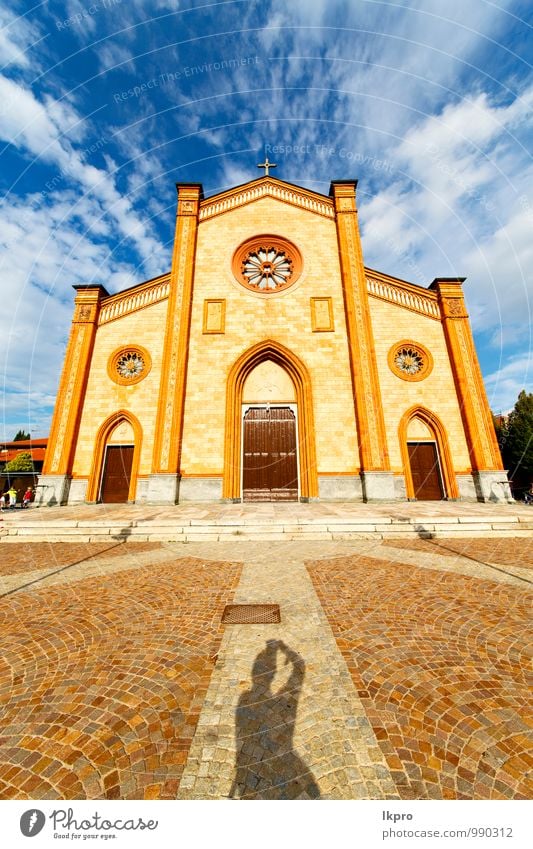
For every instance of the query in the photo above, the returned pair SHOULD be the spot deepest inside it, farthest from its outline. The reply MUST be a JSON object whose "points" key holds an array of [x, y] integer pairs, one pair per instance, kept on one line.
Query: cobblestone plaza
{"points": [[399, 669]]}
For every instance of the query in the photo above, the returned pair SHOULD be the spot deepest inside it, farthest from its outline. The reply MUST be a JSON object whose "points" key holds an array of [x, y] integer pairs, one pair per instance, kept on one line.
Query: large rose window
{"points": [[267, 268], [267, 264]]}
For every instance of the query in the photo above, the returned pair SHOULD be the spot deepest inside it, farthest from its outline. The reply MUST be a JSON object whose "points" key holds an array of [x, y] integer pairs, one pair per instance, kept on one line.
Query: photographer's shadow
{"points": [[266, 765]]}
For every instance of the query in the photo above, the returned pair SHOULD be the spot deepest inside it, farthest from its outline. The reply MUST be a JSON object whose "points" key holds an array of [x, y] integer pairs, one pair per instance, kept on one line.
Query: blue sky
{"points": [[105, 105]]}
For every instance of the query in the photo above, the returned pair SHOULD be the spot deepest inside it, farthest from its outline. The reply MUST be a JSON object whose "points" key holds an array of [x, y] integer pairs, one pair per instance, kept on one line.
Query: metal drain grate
{"points": [[251, 614]]}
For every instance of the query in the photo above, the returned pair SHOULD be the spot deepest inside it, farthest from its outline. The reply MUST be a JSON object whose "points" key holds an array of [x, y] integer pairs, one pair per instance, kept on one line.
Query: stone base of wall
{"points": [[400, 491], [162, 489], [78, 491], [200, 489], [467, 488], [378, 486], [52, 490], [341, 488], [141, 495], [492, 486]]}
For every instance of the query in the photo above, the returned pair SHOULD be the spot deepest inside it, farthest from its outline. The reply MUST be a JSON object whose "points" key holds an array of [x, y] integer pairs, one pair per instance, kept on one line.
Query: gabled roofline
{"points": [[404, 284], [266, 186], [263, 179], [130, 289]]}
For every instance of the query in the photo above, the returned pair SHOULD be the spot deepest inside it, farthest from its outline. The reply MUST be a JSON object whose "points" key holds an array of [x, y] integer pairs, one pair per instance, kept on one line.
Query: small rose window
{"points": [[129, 365], [410, 360]]}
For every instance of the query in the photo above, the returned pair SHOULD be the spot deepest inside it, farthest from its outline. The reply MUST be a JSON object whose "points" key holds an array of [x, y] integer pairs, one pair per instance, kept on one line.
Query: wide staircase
{"points": [[189, 522]]}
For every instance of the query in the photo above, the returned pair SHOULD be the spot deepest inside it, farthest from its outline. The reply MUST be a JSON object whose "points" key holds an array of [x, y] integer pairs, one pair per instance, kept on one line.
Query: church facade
{"points": [[271, 364]]}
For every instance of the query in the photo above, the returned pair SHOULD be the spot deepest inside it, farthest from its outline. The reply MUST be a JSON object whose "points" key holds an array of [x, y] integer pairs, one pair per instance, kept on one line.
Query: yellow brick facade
{"points": [[326, 342], [436, 392], [285, 318], [103, 397]]}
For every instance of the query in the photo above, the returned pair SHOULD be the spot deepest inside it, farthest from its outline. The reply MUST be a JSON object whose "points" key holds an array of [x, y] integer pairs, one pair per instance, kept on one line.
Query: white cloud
{"points": [[451, 209], [504, 384], [44, 251], [382, 80], [80, 17], [451, 153], [169, 5], [112, 53], [17, 35], [45, 132], [25, 122], [56, 238]]}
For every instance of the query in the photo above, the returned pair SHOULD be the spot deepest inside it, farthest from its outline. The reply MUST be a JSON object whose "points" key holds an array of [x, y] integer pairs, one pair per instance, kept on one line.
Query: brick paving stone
{"points": [[107, 688], [32, 556], [104, 675], [505, 552], [441, 665], [280, 707]]}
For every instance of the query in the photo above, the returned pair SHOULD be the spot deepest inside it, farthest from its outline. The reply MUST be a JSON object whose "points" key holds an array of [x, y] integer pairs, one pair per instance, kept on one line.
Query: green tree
{"points": [[20, 435], [500, 428], [21, 463], [517, 441]]}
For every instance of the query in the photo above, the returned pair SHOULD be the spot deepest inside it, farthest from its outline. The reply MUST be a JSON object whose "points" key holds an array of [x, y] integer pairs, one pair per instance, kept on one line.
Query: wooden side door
{"points": [[117, 474], [425, 471], [270, 471]]}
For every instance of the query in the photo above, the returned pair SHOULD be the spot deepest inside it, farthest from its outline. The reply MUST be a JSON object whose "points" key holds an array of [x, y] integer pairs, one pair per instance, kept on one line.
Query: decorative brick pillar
{"points": [[163, 483], [377, 478], [490, 479], [54, 482]]}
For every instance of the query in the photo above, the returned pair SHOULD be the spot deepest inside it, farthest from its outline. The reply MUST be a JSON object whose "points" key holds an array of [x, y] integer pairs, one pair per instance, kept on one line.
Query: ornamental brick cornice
{"points": [[135, 298], [403, 294], [266, 187]]}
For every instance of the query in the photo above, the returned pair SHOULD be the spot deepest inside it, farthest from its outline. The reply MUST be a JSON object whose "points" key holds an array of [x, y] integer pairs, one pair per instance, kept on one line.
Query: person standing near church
{"points": [[12, 495]]}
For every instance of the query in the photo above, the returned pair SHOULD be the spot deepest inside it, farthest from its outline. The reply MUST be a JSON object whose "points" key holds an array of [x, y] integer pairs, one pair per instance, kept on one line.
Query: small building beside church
{"points": [[20, 480], [271, 364]]}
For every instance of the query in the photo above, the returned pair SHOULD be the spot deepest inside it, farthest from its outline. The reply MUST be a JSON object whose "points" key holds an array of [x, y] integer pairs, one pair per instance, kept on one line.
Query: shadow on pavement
{"points": [[266, 766]]}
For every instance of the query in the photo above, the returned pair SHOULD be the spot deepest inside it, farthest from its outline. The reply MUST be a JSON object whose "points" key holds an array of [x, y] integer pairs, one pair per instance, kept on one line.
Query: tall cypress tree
{"points": [[517, 441]]}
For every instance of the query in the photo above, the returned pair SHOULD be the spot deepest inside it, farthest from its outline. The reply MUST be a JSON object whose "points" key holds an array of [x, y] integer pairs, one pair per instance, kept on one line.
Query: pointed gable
{"points": [[266, 187]]}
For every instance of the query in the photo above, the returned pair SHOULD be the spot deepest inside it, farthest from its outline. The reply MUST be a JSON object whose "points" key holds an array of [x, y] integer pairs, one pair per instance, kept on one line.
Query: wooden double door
{"points": [[425, 471], [116, 476], [270, 466]]}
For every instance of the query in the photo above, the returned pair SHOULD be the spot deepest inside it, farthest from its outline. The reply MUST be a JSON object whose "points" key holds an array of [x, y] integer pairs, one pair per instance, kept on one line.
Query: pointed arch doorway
{"points": [[269, 452], [116, 460], [427, 462]]}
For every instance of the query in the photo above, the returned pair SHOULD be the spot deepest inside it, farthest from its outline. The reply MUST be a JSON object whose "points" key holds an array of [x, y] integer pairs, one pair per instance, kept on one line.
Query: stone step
{"points": [[205, 531]]}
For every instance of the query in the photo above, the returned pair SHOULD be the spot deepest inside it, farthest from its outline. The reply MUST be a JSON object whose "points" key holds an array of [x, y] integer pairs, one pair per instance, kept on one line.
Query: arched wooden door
{"points": [[427, 462], [270, 465], [307, 478], [116, 476], [425, 471]]}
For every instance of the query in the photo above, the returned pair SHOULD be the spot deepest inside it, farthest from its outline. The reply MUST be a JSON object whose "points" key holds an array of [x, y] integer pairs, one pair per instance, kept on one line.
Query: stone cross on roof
{"points": [[266, 165]]}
